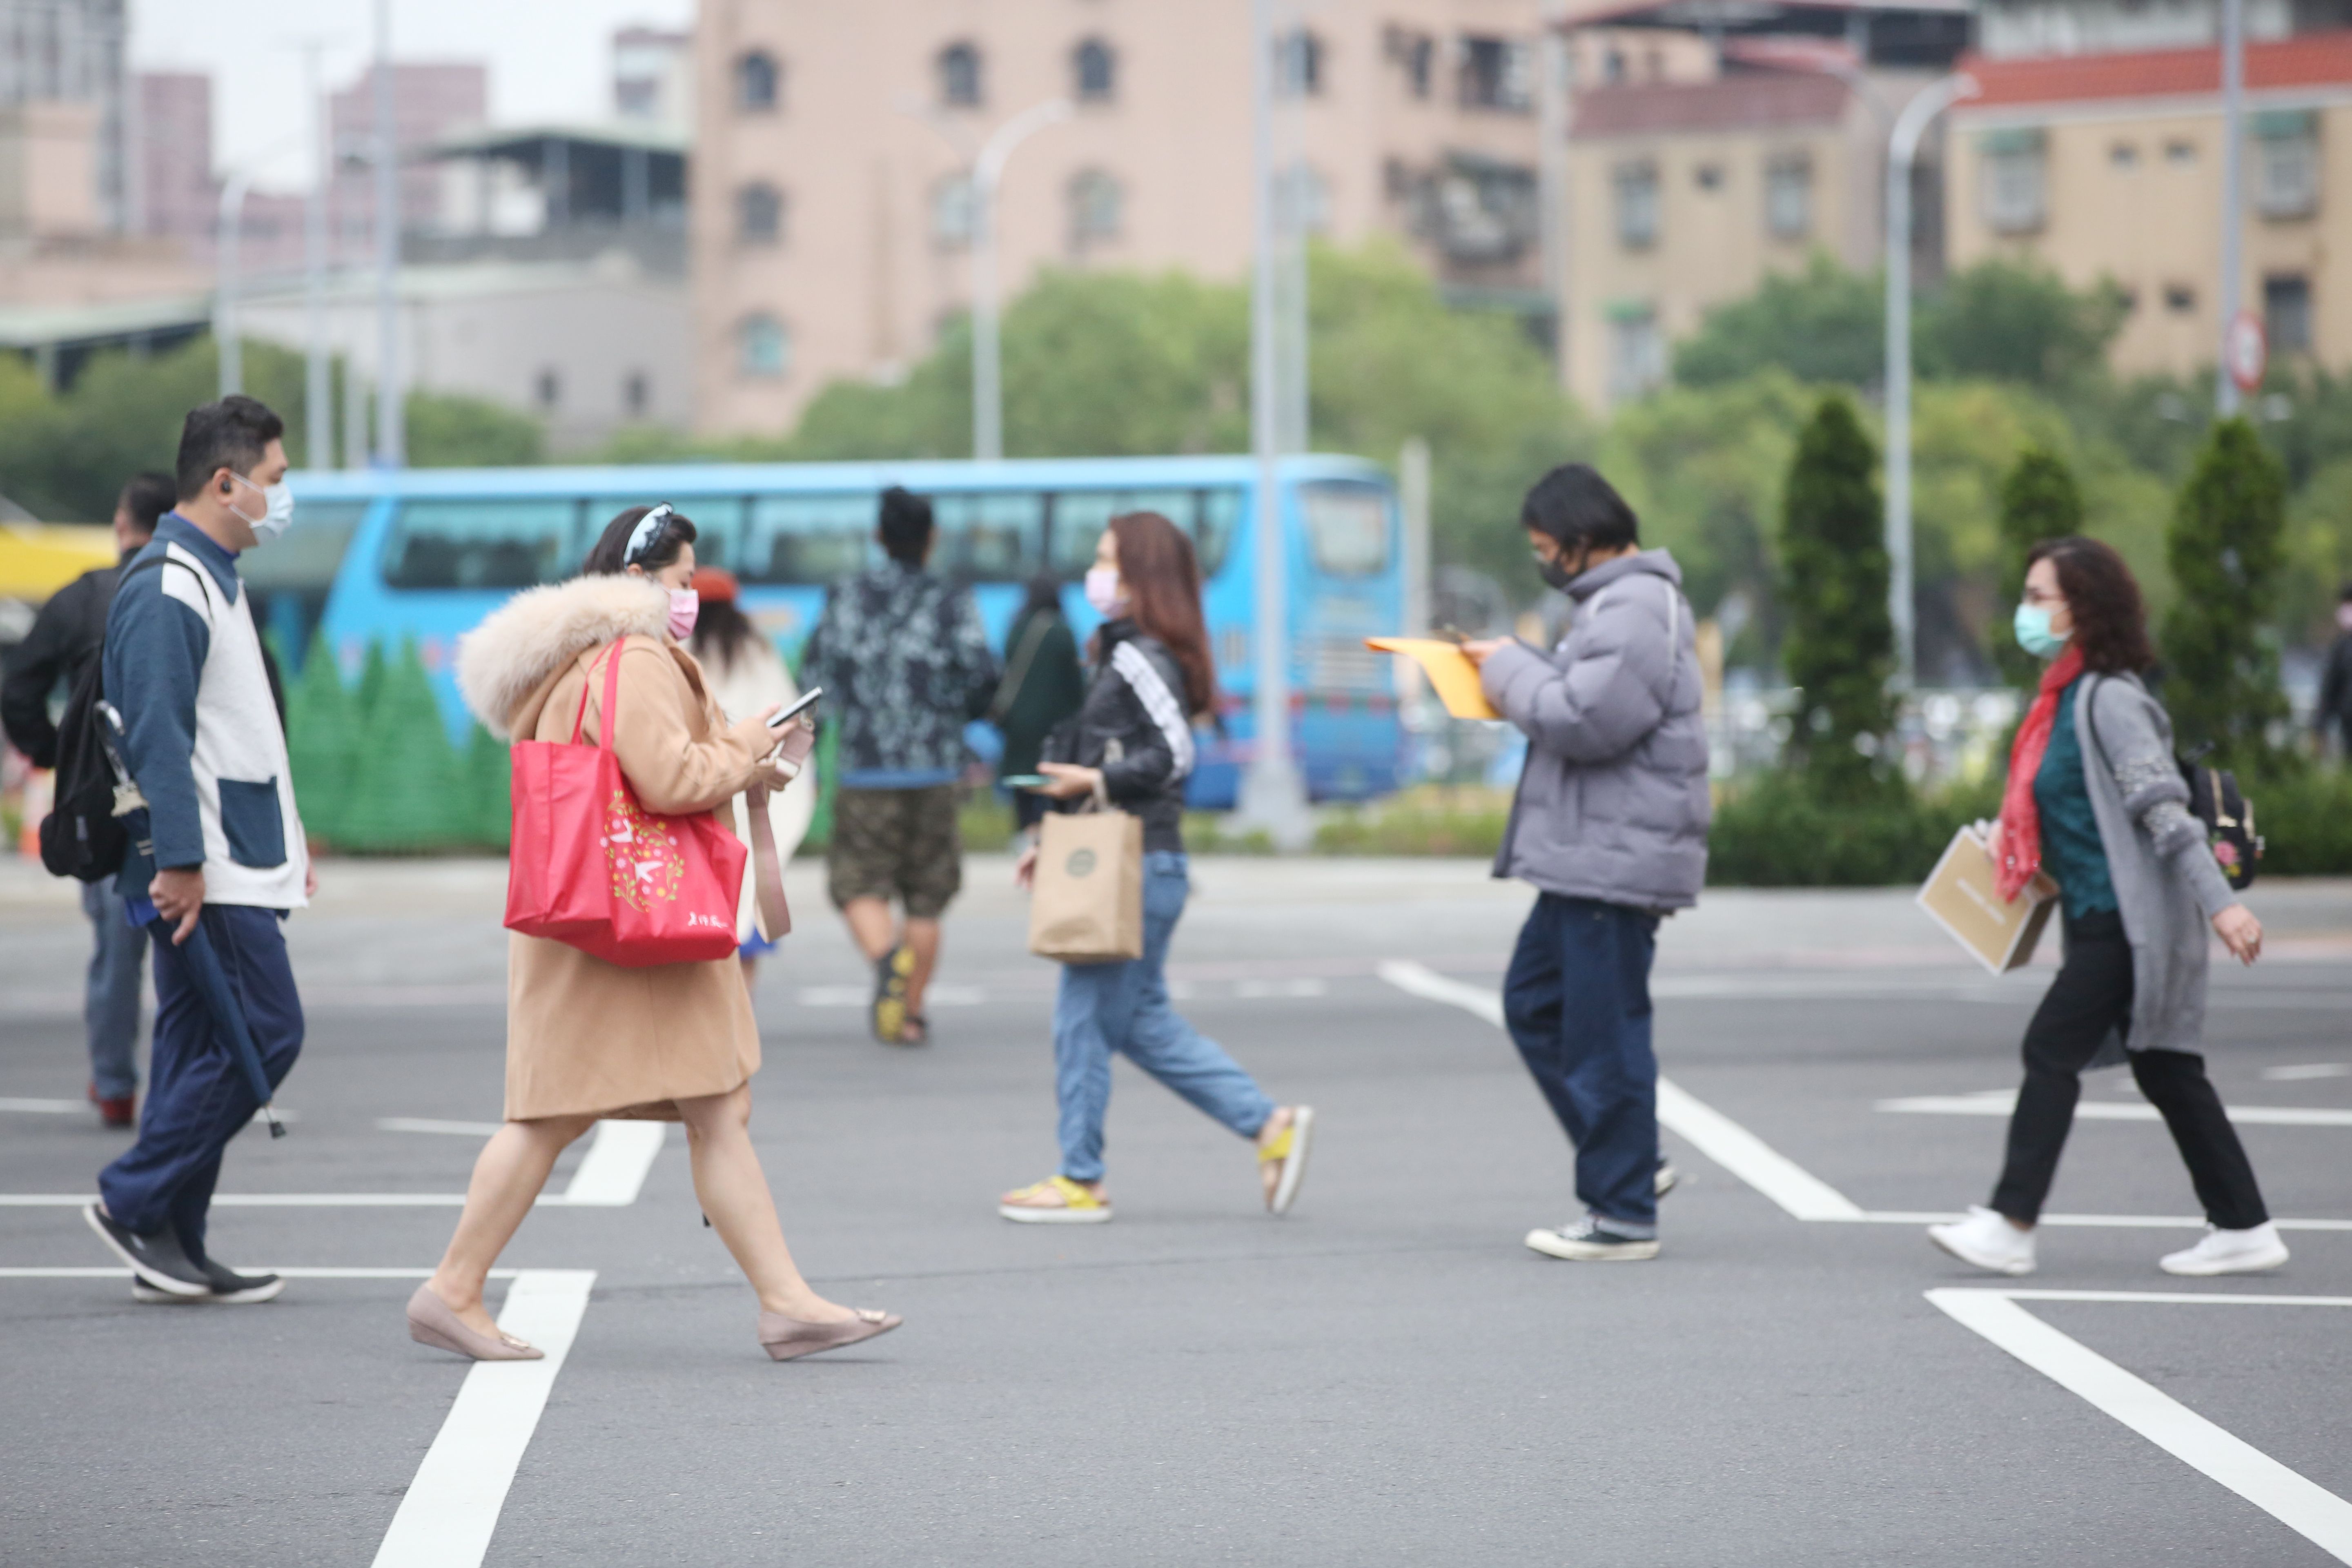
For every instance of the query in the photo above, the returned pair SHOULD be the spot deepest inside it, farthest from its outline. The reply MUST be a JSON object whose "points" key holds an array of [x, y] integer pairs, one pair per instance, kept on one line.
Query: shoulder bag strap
{"points": [[611, 654], [1017, 671]]}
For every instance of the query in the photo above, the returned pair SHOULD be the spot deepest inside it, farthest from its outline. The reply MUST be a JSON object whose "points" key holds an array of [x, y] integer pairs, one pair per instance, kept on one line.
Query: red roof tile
{"points": [[1744, 100], [2314, 60]]}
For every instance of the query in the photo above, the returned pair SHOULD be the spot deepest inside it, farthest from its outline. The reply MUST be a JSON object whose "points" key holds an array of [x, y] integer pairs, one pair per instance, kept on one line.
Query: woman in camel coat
{"points": [[588, 1040]]}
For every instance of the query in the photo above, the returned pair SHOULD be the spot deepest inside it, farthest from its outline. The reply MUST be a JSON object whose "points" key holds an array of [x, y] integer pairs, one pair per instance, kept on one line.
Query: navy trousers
{"points": [[1577, 1001], [198, 1097]]}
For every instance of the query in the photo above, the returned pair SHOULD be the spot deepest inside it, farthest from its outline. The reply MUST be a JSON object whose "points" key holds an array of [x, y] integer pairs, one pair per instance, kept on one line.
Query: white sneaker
{"points": [[2229, 1252], [1987, 1240]]}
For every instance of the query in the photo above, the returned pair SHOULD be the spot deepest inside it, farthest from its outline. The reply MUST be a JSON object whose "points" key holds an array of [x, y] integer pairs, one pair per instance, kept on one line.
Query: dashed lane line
{"points": [[2002, 1101], [451, 1509], [2309, 1510]]}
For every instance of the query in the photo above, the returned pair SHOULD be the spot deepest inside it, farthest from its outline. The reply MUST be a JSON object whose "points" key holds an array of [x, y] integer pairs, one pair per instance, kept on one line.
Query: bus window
{"points": [[807, 538], [482, 543], [1080, 515], [1346, 528], [718, 524], [1221, 513], [291, 579], [990, 536]]}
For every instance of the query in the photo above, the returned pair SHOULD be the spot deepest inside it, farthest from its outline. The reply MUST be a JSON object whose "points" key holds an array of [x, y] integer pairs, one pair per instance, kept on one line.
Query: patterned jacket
{"points": [[905, 665]]}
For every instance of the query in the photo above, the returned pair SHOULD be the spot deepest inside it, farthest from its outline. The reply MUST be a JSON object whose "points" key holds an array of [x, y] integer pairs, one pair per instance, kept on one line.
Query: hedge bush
{"points": [[1773, 832]]}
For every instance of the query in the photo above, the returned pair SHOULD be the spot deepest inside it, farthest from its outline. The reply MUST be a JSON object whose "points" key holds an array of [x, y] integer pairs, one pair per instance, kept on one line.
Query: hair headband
{"points": [[642, 537]]}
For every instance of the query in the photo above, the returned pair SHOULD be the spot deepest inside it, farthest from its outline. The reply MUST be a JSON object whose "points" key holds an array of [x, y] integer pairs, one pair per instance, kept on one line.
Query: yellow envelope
{"points": [[1450, 671]]}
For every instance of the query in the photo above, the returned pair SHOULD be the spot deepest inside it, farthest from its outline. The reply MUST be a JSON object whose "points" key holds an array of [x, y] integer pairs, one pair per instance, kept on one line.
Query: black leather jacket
{"points": [[1132, 725]]}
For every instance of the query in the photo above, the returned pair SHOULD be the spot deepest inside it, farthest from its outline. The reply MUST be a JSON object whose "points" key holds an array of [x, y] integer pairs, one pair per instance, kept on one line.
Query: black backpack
{"points": [[82, 837], [2222, 809]]}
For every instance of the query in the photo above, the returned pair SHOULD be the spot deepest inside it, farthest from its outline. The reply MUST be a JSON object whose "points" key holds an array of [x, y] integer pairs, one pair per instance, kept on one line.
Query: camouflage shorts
{"points": [[899, 842]]}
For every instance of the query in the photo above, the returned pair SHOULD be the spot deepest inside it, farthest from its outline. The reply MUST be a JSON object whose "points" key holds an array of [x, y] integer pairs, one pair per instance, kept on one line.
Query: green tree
{"points": [[451, 430], [1840, 648], [2226, 546], [321, 741], [488, 790], [408, 790], [2039, 501], [2009, 320], [1824, 324]]}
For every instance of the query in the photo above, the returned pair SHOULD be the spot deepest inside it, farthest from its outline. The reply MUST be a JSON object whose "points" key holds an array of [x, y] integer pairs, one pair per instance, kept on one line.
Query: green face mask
{"points": [[2034, 633]]}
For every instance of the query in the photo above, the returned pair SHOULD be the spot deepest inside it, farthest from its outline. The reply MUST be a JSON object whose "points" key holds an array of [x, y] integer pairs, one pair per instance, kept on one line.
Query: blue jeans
{"points": [[198, 1097], [109, 1004], [1106, 1007], [1577, 1001]]}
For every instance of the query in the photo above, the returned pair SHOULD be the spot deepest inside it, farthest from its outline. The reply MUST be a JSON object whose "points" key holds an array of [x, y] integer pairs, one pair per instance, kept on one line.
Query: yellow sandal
{"points": [[1076, 1206], [1287, 1153]]}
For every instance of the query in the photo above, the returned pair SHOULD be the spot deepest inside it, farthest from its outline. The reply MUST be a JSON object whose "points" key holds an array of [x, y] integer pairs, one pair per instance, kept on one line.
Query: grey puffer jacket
{"points": [[1613, 801]]}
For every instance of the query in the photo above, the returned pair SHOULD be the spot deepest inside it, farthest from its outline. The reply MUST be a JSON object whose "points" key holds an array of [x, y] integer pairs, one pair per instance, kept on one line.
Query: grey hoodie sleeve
{"points": [[1600, 706], [2136, 738]]}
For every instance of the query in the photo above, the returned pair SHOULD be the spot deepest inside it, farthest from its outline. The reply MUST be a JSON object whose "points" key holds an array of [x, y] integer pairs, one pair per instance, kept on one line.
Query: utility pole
{"points": [[987, 347], [1273, 798], [391, 431], [225, 336], [318, 410], [2233, 209], [1553, 92], [1902, 151]]}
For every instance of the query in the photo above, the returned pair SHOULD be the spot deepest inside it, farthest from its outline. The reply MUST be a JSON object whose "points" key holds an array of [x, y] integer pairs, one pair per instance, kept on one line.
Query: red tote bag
{"points": [[592, 868]]}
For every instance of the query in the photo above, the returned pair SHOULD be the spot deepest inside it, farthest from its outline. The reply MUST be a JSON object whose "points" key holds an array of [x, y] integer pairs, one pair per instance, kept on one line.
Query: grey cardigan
{"points": [[2168, 885], [1612, 804]]}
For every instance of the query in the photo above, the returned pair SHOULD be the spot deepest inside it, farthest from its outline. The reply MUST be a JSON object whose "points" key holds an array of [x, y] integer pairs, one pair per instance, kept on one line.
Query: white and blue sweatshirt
{"points": [[202, 738]]}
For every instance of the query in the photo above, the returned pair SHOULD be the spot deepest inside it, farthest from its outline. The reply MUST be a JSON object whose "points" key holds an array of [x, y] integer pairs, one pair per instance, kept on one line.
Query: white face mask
{"points": [[277, 508]]}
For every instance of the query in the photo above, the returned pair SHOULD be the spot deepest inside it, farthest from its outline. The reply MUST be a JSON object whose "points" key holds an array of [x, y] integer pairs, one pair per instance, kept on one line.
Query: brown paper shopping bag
{"points": [[1086, 904], [1960, 896]]}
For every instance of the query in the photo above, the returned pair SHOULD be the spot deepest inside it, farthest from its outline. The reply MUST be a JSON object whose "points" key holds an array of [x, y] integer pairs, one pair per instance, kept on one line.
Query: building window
{"points": [[2180, 153], [638, 394], [1298, 64], [954, 214], [2015, 189], [758, 82], [960, 83], [2286, 164], [759, 214], [1095, 201], [2286, 313], [1788, 198], [1414, 55], [1637, 205], [1498, 74], [2123, 155], [1612, 67], [548, 390], [1306, 198], [1708, 176], [1094, 70], [2180, 298], [1637, 354], [763, 347]]}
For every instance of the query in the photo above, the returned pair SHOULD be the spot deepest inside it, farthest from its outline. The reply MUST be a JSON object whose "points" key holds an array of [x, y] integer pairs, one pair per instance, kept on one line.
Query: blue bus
{"points": [[425, 553]]}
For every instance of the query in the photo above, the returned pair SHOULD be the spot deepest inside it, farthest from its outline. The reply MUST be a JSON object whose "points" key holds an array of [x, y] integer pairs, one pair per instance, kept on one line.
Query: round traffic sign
{"points": [[2246, 350]]}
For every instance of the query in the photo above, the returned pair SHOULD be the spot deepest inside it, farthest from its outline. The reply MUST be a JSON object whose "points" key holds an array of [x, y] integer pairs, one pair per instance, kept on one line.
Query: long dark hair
{"points": [[721, 628], [609, 557], [2110, 618], [1162, 577]]}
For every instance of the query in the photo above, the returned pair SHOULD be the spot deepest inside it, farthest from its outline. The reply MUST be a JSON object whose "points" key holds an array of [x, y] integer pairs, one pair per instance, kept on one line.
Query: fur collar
{"points": [[509, 657]]}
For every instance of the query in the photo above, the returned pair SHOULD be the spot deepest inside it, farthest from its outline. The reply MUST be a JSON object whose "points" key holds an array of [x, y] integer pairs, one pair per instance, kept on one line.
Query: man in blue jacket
{"points": [[201, 741], [1610, 825]]}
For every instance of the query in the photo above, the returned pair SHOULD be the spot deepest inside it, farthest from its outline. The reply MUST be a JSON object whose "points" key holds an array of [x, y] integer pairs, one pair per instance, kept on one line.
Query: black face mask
{"points": [[1555, 572]]}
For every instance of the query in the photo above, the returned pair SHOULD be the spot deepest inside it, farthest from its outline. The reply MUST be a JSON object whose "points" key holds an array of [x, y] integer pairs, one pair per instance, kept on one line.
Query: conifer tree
{"points": [[1840, 644], [321, 734], [488, 790], [2039, 501], [407, 788], [2225, 547]]}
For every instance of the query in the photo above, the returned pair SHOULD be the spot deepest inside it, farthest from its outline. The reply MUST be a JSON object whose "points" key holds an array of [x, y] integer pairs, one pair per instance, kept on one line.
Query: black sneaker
{"points": [[156, 1258], [228, 1288], [1589, 1240]]}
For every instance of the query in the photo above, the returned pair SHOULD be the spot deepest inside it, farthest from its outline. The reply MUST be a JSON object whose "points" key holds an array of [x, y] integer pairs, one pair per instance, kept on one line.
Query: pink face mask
{"points": [[2344, 616], [684, 607], [1104, 593]]}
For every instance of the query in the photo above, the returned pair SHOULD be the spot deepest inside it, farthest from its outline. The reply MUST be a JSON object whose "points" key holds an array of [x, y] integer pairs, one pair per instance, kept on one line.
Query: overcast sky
{"points": [[549, 60]]}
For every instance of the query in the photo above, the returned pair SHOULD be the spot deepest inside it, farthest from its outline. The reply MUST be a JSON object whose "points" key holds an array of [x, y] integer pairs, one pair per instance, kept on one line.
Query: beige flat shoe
{"points": [[788, 1338], [431, 1322]]}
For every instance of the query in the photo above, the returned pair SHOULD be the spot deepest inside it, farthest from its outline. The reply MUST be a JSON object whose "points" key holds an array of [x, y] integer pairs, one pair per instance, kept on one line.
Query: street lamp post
{"points": [[1274, 798], [987, 350], [2233, 174], [317, 415], [224, 327], [1902, 151], [391, 427]]}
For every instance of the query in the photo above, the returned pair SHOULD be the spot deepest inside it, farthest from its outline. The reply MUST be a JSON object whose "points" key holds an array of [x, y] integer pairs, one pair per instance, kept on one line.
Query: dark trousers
{"points": [[1577, 1001], [198, 1097], [2091, 998]]}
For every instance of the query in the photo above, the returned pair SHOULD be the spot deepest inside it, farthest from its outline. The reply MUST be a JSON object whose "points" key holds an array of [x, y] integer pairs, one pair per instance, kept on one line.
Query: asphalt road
{"points": [[1385, 1376]]}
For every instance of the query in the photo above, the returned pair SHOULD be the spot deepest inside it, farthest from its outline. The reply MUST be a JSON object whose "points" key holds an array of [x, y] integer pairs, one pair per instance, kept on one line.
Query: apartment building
{"points": [[831, 210], [2109, 166]]}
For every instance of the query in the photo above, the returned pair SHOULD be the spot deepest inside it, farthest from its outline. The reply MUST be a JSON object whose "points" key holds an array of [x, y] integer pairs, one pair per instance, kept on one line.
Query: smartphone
{"points": [[1024, 781], [807, 700]]}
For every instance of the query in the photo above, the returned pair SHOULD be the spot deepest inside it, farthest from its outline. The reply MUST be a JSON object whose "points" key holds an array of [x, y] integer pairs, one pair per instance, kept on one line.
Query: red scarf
{"points": [[2021, 819]]}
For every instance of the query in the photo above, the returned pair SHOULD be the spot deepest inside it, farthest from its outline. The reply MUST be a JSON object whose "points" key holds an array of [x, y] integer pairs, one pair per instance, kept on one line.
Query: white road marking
{"points": [[2000, 1101], [1720, 1138], [2307, 1070], [428, 1124], [47, 1106], [614, 1170], [862, 996], [290, 1273], [451, 1508], [2094, 1221], [2310, 1511], [270, 1200], [1257, 990]]}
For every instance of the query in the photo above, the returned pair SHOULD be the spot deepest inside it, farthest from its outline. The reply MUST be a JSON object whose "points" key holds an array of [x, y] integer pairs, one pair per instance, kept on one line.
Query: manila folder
{"points": [[1450, 671]]}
